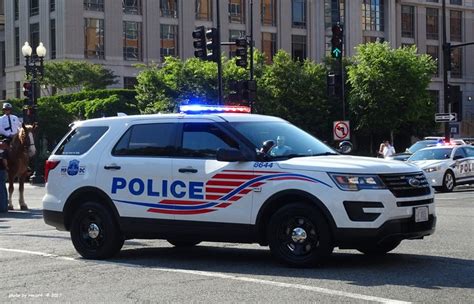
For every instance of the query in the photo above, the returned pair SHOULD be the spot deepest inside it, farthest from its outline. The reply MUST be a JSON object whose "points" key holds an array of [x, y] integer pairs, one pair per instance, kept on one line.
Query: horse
{"points": [[22, 147]]}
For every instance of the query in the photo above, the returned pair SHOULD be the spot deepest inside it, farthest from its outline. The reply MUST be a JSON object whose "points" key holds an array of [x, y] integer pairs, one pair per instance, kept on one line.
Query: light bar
{"points": [[201, 109]]}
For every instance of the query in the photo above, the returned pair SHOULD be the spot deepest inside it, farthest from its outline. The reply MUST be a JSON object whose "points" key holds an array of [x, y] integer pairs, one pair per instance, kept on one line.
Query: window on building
{"points": [[169, 8], [2, 8], [233, 35], [52, 5], [432, 23], [408, 21], [94, 5], [433, 51], [17, 46], [132, 7], [298, 13], [132, 41], [129, 83], [34, 36], [204, 10], [52, 34], [434, 1], [435, 99], [34, 7], [17, 9], [455, 27], [94, 38], [4, 94], [455, 2], [269, 46], [373, 15], [237, 11], [269, 12], [298, 47], [169, 40], [456, 63], [2, 50], [17, 89], [369, 39]]}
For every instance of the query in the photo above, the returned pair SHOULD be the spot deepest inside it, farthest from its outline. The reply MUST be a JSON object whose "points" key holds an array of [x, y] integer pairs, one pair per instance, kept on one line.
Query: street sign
{"points": [[445, 117], [454, 128], [341, 130]]}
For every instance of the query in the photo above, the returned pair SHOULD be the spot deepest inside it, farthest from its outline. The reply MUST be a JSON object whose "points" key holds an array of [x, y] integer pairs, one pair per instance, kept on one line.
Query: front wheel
{"points": [[299, 235], [379, 249], [94, 232], [448, 182]]}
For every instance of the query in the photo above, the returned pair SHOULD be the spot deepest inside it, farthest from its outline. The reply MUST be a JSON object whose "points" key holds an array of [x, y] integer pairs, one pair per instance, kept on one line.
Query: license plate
{"points": [[421, 214]]}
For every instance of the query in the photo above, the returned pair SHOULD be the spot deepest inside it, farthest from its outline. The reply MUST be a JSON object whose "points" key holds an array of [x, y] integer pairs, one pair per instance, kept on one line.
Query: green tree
{"points": [[389, 90], [295, 91], [77, 75]]}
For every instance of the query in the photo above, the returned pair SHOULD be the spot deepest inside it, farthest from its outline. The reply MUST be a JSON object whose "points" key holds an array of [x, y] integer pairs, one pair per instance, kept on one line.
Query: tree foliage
{"points": [[77, 75], [389, 89]]}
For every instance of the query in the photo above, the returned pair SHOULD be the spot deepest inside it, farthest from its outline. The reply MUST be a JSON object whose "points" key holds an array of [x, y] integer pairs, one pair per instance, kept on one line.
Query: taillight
{"points": [[49, 165]]}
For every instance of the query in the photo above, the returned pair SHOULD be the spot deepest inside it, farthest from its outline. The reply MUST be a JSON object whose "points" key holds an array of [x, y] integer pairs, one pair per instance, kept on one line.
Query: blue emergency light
{"points": [[203, 109]]}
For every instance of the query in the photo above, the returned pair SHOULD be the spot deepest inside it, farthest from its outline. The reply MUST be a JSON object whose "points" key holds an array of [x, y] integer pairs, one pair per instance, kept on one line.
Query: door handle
{"points": [[187, 170], [112, 167]]}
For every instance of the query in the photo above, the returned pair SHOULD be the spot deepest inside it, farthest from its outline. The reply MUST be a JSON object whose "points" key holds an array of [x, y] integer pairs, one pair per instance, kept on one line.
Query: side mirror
{"points": [[229, 155], [345, 147]]}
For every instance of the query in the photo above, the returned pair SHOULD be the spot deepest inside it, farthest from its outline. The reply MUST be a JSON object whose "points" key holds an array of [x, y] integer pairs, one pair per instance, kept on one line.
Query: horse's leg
{"points": [[21, 189], [10, 191]]}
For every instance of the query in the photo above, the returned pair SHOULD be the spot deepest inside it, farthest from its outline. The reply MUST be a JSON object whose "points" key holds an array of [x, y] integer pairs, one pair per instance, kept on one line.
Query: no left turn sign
{"points": [[341, 130]]}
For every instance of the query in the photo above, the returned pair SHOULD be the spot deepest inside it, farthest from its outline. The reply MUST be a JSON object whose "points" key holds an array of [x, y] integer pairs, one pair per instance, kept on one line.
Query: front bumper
{"points": [[54, 218], [400, 229]]}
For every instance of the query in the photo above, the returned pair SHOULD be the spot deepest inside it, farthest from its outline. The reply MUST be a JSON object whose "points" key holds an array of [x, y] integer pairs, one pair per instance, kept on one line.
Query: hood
{"points": [[348, 164], [427, 163]]}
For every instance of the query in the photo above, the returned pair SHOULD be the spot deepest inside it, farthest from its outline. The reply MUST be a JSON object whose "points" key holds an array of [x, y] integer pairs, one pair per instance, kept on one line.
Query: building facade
{"points": [[120, 34]]}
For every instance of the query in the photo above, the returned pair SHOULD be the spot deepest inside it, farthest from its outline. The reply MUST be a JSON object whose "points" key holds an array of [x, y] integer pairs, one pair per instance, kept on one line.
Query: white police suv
{"points": [[224, 176]]}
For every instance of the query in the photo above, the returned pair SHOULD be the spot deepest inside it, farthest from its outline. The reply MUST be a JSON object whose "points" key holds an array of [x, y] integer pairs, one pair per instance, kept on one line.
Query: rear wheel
{"points": [[183, 243], [379, 249], [448, 182], [94, 232], [299, 235]]}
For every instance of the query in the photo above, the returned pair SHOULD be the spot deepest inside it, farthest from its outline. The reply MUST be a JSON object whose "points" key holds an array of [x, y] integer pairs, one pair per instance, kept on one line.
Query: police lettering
{"points": [[164, 188]]}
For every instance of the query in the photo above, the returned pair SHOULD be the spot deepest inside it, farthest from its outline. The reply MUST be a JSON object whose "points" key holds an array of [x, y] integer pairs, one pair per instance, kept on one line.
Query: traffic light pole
{"points": [[219, 56], [446, 57]]}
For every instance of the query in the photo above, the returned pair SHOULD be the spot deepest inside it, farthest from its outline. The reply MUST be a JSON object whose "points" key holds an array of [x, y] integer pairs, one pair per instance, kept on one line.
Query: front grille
{"points": [[415, 203], [399, 184]]}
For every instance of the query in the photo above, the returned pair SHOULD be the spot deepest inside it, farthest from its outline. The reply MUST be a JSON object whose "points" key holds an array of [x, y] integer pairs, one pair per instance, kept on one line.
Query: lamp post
{"points": [[34, 65]]}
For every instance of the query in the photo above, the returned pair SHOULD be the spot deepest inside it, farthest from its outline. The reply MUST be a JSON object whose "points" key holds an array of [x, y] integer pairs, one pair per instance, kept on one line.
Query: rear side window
{"points": [[80, 140], [147, 140]]}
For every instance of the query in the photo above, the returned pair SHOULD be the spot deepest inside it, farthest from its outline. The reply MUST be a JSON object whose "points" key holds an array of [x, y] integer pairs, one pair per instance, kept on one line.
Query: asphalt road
{"points": [[39, 264]]}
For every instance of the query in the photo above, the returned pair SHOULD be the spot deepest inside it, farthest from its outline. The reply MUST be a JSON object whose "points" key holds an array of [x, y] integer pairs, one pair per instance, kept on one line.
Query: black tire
{"points": [[438, 189], [183, 243], [379, 249], [103, 242], [303, 221], [449, 182]]}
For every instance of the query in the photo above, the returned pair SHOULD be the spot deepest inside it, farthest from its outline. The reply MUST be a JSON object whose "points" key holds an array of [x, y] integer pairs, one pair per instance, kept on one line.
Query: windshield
{"points": [[432, 154], [289, 140], [420, 145]]}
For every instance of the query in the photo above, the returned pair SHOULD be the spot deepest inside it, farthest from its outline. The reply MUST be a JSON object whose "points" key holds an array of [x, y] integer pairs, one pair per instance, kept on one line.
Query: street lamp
{"points": [[34, 65]]}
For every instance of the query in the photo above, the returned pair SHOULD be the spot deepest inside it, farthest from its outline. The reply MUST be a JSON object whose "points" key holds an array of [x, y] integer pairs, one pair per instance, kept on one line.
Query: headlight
{"points": [[432, 169], [356, 182]]}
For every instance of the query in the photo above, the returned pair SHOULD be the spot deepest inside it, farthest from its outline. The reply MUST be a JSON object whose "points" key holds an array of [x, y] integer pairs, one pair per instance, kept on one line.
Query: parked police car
{"points": [[446, 165], [228, 177]]}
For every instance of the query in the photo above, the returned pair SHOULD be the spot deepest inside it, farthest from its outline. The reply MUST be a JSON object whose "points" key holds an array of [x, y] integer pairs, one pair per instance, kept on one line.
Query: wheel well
{"points": [[82, 195], [278, 200]]}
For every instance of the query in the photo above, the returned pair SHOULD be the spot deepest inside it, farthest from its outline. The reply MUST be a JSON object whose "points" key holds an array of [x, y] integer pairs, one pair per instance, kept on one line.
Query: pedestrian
{"points": [[388, 149], [3, 187], [380, 151]]}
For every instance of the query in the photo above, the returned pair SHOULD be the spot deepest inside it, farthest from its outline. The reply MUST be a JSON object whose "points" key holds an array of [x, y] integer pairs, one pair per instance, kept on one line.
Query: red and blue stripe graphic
{"points": [[221, 191]]}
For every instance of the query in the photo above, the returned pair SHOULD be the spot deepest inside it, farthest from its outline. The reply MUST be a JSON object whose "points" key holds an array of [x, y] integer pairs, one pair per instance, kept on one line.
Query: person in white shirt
{"points": [[9, 123], [388, 149]]}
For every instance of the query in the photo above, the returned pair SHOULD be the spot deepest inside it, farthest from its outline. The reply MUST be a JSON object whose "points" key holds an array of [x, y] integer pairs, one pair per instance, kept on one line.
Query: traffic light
{"points": [[249, 90], [27, 90], [334, 84], [199, 43], [336, 41], [455, 97], [241, 52], [213, 44]]}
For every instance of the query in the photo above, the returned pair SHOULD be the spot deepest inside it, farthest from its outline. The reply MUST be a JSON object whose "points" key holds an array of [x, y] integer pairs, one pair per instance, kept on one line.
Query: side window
{"points": [[80, 140], [469, 151], [459, 152], [147, 140], [201, 140]]}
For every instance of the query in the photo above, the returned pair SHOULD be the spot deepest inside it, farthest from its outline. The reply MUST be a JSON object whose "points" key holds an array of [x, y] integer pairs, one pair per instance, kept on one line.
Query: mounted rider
{"points": [[9, 127]]}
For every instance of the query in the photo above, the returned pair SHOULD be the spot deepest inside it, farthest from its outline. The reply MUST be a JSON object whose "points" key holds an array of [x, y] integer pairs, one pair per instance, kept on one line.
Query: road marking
{"points": [[220, 275]]}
